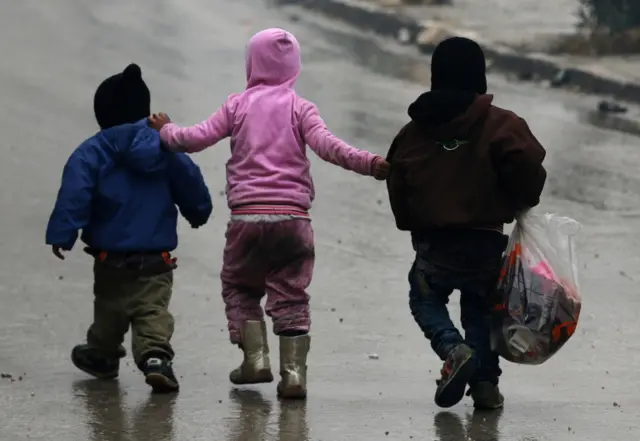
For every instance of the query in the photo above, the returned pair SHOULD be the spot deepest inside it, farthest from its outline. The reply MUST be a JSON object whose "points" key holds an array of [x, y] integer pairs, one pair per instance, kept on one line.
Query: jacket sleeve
{"points": [[519, 164], [200, 136], [396, 186], [330, 148], [72, 210], [190, 192]]}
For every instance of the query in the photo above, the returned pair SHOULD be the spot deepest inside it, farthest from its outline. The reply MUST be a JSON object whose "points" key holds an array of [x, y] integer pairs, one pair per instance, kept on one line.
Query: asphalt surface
{"points": [[55, 54]]}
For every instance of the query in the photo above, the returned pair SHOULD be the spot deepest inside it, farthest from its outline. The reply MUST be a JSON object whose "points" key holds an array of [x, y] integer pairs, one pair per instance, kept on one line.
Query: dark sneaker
{"points": [[94, 362], [159, 375], [486, 396], [456, 373]]}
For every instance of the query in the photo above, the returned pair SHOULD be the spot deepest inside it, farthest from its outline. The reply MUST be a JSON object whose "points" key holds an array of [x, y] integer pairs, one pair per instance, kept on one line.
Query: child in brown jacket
{"points": [[461, 169]]}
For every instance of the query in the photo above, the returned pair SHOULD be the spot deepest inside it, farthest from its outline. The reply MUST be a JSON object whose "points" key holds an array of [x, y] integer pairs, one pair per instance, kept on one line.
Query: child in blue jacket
{"points": [[121, 188]]}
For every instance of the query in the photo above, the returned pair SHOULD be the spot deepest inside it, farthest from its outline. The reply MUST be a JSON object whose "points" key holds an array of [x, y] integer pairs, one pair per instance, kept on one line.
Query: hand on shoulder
{"points": [[158, 120]]}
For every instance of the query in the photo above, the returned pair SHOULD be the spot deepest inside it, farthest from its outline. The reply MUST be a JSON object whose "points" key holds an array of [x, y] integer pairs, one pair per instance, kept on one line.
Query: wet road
{"points": [[192, 57]]}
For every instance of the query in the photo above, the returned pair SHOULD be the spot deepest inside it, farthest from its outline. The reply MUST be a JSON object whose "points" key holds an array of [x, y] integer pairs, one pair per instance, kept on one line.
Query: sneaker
{"points": [[456, 373], [159, 375], [94, 362], [486, 396]]}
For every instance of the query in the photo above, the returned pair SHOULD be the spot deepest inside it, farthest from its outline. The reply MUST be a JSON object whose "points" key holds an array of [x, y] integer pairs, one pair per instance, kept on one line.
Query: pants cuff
{"points": [[475, 381], [153, 353], [289, 328], [110, 352], [444, 348], [235, 337]]}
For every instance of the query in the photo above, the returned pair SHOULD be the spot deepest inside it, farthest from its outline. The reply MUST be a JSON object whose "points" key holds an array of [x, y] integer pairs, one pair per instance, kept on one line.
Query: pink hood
{"points": [[273, 59]]}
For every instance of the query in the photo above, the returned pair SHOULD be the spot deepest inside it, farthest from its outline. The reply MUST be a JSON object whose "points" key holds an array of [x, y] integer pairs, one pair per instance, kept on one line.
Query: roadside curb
{"points": [[426, 35]]}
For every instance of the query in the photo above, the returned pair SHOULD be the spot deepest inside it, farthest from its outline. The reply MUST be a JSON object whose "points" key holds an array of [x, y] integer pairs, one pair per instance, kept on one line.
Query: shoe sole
{"points": [[98, 375], [453, 392], [260, 377], [293, 393], [484, 407], [161, 384]]}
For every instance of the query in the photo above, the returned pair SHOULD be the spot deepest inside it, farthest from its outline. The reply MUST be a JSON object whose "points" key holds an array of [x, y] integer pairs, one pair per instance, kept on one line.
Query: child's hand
{"points": [[381, 169], [57, 251], [159, 120]]}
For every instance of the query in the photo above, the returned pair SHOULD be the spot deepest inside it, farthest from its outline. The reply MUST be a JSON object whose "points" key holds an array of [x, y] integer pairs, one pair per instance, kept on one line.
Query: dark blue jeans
{"points": [[468, 261]]}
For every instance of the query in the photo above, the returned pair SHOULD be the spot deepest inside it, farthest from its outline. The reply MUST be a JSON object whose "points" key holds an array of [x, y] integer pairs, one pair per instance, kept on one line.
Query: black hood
{"points": [[439, 107], [459, 64]]}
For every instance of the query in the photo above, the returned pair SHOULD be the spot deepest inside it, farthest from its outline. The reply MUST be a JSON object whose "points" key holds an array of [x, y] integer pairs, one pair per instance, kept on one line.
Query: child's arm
{"points": [[72, 210], [332, 149], [200, 136], [190, 192], [396, 185], [519, 164]]}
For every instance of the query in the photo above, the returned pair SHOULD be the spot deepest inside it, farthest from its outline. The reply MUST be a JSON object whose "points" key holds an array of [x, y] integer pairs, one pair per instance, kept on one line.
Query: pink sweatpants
{"points": [[272, 258]]}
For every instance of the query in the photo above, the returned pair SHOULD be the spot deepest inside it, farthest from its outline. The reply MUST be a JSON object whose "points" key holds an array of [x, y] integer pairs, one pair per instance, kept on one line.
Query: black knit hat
{"points": [[459, 64], [122, 98]]}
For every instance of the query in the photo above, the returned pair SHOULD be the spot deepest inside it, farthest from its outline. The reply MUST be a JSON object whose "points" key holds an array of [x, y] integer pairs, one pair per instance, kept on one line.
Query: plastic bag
{"points": [[537, 301]]}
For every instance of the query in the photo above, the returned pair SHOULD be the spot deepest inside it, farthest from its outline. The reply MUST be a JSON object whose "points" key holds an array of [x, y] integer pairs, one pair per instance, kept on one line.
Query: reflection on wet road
{"points": [[475, 426], [253, 415], [106, 413], [192, 57]]}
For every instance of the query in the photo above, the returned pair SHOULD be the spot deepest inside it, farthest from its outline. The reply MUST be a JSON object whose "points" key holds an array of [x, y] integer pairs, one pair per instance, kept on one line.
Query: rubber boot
{"points": [[293, 366], [256, 366]]}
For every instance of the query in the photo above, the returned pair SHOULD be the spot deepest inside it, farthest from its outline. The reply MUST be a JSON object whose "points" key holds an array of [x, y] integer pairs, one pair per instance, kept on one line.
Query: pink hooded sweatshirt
{"points": [[269, 126]]}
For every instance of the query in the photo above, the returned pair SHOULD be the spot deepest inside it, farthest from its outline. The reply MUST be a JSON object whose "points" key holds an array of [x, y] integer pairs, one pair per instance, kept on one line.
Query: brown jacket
{"points": [[463, 163]]}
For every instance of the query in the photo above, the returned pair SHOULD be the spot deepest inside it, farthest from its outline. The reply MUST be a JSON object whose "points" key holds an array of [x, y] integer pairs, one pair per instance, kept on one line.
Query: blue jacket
{"points": [[121, 188]]}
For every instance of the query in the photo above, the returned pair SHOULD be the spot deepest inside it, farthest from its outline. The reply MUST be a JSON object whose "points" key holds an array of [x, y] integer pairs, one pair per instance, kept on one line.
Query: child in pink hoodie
{"points": [[270, 246]]}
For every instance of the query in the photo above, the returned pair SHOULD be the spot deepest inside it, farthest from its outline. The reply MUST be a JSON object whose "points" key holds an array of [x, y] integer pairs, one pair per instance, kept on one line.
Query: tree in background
{"points": [[610, 16], [608, 27]]}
